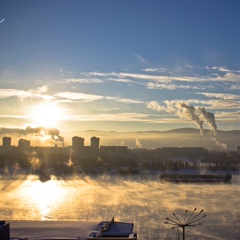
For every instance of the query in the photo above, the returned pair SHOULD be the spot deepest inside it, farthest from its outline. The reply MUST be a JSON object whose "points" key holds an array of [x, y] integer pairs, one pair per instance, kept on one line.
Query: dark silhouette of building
{"points": [[183, 152], [111, 151], [6, 142], [24, 144], [77, 144], [95, 145]]}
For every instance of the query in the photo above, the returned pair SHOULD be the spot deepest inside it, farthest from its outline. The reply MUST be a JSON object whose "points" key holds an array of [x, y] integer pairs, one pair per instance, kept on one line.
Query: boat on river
{"points": [[114, 231], [195, 178]]}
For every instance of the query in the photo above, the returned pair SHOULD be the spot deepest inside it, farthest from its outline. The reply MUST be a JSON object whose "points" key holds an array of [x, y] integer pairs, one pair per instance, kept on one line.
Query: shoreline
{"points": [[44, 230]]}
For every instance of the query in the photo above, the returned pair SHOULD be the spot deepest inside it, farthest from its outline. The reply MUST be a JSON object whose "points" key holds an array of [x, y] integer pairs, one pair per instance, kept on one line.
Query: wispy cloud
{"points": [[22, 94], [2, 20], [170, 86], [158, 70], [141, 58], [221, 96], [124, 100], [78, 96], [218, 68], [89, 80], [81, 80], [227, 116], [151, 69], [234, 87], [218, 76], [120, 80], [167, 106], [157, 78], [154, 105]]}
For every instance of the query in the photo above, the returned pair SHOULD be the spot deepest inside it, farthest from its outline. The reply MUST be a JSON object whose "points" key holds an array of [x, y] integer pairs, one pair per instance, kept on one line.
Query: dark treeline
{"points": [[133, 161]]}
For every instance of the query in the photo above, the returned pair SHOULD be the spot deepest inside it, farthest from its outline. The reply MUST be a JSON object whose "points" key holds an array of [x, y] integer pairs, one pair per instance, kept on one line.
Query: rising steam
{"points": [[209, 118], [199, 115], [34, 131], [189, 112], [138, 143]]}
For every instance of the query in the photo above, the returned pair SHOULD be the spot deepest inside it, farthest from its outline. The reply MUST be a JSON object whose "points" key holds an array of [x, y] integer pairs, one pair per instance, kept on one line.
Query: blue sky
{"points": [[119, 65]]}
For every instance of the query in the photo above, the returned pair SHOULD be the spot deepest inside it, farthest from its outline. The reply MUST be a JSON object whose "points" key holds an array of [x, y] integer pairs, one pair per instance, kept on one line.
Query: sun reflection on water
{"points": [[45, 197]]}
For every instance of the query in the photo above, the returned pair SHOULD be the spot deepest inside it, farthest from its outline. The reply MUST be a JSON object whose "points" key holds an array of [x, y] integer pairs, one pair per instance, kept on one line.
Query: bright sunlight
{"points": [[45, 196], [46, 115]]}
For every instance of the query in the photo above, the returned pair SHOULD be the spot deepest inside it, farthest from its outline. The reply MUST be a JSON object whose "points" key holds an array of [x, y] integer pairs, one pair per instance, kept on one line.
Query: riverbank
{"points": [[44, 230]]}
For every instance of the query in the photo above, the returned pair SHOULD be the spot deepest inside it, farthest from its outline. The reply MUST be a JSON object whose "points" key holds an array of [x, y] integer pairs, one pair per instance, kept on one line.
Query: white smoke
{"points": [[34, 131], [209, 118], [138, 143], [191, 113], [219, 144], [199, 115]]}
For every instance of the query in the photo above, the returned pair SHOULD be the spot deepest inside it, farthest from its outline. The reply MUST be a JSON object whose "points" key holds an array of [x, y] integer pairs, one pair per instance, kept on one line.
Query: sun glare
{"points": [[46, 115], [45, 196]]}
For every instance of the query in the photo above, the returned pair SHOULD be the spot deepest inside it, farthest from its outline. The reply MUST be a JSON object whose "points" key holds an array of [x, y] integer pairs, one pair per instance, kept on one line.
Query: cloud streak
{"points": [[224, 96], [77, 96], [22, 94], [81, 80], [217, 74]]}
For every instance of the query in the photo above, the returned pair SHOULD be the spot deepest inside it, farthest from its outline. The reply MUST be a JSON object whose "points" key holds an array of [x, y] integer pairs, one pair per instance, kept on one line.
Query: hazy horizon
{"points": [[181, 137]]}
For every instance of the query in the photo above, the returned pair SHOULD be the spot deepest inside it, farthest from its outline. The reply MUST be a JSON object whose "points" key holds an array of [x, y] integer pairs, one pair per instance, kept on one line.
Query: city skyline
{"points": [[119, 65], [182, 137]]}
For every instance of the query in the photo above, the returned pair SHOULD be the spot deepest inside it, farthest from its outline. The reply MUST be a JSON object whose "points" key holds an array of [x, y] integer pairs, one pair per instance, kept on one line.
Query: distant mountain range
{"points": [[181, 137]]}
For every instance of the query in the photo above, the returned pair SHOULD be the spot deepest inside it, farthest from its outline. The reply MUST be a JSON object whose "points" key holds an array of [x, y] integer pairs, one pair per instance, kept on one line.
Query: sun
{"points": [[46, 114]]}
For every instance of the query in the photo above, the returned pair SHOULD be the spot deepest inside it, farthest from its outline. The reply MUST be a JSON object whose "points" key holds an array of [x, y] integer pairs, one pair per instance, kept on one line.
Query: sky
{"points": [[129, 65]]}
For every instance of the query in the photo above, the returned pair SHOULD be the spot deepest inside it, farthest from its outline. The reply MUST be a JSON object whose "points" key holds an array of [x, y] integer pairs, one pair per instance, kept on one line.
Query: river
{"points": [[142, 199]]}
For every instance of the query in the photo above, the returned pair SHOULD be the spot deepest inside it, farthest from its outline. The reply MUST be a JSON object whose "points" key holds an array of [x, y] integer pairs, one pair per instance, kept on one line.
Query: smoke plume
{"points": [[138, 143], [209, 118], [191, 113], [199, 115], [219, 144], [34, 131]]}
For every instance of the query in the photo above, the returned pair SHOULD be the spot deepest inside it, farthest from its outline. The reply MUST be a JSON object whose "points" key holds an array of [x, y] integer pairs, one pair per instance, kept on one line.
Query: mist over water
{"points": [[141, 199]]}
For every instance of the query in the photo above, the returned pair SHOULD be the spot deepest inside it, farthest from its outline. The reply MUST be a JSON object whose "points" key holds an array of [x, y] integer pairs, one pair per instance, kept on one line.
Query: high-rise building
{"points": [[95, 142], [23, 144], [6, 142], [95, 145], [77, 144]]}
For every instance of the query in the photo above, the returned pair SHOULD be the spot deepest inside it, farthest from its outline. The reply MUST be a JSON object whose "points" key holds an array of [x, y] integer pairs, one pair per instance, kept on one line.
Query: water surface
{"points": [[144, 200]]}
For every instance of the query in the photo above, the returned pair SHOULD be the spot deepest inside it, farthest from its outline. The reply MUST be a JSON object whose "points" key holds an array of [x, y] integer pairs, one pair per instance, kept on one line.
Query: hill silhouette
{"points": [[181, 137]]}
